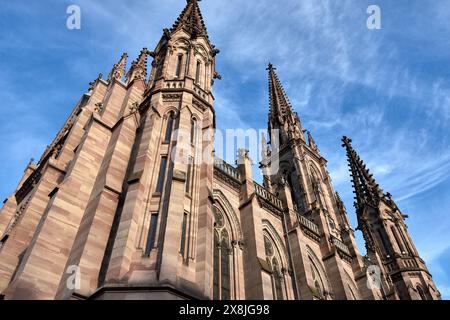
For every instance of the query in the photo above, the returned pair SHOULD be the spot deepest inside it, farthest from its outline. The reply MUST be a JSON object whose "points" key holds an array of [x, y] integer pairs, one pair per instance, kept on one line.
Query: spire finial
{"points": [[191, 20], [138, 70], [118, 70]]}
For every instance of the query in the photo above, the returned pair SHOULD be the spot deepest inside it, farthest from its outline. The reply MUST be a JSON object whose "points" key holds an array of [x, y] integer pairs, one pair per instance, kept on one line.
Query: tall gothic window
{"points": [[384, 241], [317, 188], [179, 64], [225, 265], [216, 275], [197, 72], [405, 241], [183, 234], [169, 127], [151, 233], [162, 174], [193, 130], [159, 67], [317, 280], [221, 259], [422, 294], [277, 277], [397, 239], [188, 188]]}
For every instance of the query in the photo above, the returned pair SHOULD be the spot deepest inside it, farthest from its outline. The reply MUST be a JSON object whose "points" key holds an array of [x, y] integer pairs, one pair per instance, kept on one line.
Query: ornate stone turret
{"points": [[311, 142], [191, 20], [138, 70], [118, 70]]}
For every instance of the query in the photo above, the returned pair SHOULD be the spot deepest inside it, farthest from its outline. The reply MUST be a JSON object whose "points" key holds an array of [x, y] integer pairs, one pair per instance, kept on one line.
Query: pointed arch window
{"points": [[277, 276], [162, 174], [216, 274], [151, 233], [189, 175], [159, 67], [179, 65], [422, 294], [225, 266], [384, 242], [397, 239], [183, 234], [193, 130], [221, 259], [169, 127], [405, 241], [277, 279], [317, 281], [197, 72]]}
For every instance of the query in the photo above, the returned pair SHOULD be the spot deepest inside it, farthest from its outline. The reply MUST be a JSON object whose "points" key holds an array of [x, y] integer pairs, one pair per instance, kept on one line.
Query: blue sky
{"points": [[387, 89]]}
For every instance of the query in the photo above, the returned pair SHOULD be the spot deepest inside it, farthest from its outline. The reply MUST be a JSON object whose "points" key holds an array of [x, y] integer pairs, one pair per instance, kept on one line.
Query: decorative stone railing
{"points": [[227, 169], [267, 196], [227, 173], [410, 263], [340, 245], [308, 224]]}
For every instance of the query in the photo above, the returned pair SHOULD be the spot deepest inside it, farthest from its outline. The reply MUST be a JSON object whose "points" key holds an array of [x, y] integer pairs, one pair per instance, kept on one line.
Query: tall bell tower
{"points": [[317, 222], [167, 208], [388, 243]]}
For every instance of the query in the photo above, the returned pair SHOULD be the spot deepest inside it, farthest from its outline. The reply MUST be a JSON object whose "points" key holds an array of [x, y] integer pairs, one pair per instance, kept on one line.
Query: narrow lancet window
{"points": [[179, 64], [162, 174], [169, 128], [151, 234], [197, 72]]}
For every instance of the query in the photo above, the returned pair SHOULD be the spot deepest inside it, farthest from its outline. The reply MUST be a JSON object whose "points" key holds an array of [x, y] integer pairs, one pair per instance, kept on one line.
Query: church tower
{"points": [[121, 196], [318, 226], [388, 243]]}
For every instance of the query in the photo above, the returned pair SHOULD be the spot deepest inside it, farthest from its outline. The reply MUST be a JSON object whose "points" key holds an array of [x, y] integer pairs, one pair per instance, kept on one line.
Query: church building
{"points": [[129, 202]]}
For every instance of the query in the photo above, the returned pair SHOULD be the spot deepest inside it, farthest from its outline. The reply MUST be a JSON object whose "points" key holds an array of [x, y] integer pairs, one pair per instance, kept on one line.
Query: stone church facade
{"points": [[108, 213]]}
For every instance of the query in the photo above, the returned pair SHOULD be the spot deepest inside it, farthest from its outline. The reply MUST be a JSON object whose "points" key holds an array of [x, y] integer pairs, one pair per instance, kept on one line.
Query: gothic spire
{"points": [[278, 100], [367, 191], [138, 70], [118, 70], [191, 20]]}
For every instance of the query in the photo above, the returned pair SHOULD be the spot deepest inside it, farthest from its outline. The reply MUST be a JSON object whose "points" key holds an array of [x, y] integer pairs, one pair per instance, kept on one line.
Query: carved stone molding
{"points": [[227, 179], [197, 103], [171, 97]]}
